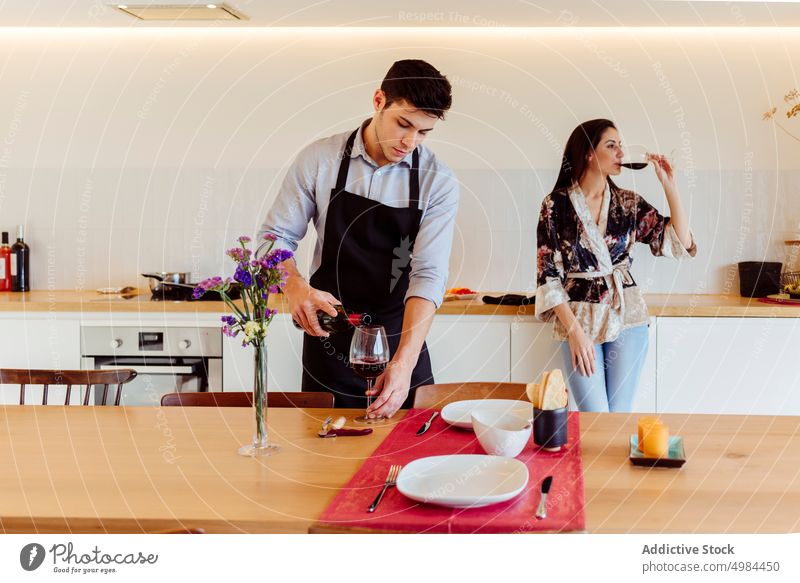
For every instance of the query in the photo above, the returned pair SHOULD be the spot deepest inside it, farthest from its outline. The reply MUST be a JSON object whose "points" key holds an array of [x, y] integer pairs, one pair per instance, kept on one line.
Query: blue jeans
{"points": [[618, 367]]}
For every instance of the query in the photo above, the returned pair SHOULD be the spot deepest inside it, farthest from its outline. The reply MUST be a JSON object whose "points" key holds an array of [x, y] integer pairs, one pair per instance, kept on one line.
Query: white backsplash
{"points": [[104, 227]]}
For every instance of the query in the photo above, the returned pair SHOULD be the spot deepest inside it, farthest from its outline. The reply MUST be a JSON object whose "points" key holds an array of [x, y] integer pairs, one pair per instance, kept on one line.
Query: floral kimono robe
{"points": [[587, 264]]}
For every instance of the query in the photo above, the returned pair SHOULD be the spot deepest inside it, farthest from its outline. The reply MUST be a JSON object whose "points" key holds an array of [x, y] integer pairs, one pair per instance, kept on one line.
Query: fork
{"points": [[391, 480]]}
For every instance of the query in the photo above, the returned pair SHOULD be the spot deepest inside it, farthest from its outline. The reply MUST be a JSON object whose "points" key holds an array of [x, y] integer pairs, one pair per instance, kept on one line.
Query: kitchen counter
{"points": [[663, 305]]}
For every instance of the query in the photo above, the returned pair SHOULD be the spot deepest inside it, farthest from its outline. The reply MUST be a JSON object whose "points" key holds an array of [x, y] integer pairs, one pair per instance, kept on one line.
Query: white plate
{"points": [[462, 481], [460, 412]]}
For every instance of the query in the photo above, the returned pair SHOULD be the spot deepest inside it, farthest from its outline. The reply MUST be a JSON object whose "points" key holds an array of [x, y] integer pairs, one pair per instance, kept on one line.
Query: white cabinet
{"points": [[533, 350], [40, 341], [470, 348], [646, 400], [694, 365], [284, 359], [473, 348], [729, 365]]}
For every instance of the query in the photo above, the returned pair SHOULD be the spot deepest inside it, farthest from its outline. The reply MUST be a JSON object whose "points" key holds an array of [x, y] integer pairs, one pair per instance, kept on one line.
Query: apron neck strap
{"points": [[344, 166], [413, 186]]}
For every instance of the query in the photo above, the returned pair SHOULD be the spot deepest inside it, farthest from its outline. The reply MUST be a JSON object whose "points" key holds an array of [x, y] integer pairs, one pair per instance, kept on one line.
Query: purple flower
{"points": [[272, 260], [206, 285], [243, 276], [239, 255], [228, 331], [273, 289], [244, 239], [268, 237], [229, 320]]}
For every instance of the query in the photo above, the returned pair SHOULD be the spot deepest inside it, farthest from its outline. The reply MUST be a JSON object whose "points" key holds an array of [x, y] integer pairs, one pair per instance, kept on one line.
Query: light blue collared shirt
{"points": [[306, 191]]}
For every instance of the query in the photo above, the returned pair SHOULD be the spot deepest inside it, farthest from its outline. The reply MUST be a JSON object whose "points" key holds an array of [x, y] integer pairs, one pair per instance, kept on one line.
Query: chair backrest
{"points": [[301, 400], [437, 396], [70, 378]]}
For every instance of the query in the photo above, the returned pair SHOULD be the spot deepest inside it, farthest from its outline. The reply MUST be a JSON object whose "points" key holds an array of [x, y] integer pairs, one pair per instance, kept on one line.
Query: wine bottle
{"points": [[5, 264], [20, 260], [340, 322]]}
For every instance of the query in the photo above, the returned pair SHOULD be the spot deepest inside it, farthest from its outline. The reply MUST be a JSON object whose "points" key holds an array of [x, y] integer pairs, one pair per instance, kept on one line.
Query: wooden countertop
{"points": [[676, 305], [120, 469]]}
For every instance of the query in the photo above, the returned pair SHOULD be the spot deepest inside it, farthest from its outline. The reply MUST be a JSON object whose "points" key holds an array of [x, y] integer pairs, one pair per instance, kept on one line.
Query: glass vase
{"points": [[261, 445]]}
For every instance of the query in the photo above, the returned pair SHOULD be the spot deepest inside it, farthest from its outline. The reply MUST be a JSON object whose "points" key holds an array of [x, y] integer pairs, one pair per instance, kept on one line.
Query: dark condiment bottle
{"points": [[20, 263]]}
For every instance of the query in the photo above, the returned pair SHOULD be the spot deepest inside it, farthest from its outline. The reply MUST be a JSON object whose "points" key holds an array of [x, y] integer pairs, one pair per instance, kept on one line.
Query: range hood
{"points": [[179, 11]]}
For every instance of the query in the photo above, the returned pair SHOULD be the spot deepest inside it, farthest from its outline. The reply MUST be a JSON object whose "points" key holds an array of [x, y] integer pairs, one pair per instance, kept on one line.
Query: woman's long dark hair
{"points": [[582, 142]]}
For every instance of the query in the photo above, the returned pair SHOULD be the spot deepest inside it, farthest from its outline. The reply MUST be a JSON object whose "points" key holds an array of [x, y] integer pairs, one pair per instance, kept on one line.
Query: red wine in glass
{"points": [[369, 368], [634, 165]]}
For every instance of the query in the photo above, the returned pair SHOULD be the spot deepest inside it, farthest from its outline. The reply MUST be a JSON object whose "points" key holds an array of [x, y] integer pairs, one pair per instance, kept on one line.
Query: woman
{"points": [[587, 228]]}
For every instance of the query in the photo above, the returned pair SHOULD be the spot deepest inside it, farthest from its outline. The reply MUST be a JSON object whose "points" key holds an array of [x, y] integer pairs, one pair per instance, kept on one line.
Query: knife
{"points": [[541, 512], [343, 431], [427, 424]]}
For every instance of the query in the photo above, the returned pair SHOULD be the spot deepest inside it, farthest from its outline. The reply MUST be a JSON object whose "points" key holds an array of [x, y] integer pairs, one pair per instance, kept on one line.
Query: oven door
{"points": [[158, 376]]}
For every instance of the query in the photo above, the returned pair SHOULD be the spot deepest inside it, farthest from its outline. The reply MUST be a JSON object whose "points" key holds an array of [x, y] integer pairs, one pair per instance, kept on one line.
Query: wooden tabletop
{"points": [[118, 469]]}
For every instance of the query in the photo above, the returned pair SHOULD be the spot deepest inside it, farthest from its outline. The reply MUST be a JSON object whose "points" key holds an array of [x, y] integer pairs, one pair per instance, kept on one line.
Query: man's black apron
{"points": [[365, 263]]}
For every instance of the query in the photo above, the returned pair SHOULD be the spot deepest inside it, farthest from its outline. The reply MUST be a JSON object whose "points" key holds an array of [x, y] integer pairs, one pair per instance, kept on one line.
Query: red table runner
{"points": [[565, 503]]}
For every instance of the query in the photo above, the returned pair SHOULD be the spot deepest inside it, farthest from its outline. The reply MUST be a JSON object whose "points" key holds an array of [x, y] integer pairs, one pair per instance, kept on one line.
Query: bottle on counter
{"points": [[20, 263], [5, 264], [339, 323]]}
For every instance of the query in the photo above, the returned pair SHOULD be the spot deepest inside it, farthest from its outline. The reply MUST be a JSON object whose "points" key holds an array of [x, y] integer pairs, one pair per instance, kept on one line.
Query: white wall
{"points": [[131, 150]]}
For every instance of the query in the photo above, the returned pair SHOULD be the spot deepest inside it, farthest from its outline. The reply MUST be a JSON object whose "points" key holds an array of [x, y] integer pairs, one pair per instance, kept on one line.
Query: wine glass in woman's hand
{"points": [[664, 167], [369, 355]]}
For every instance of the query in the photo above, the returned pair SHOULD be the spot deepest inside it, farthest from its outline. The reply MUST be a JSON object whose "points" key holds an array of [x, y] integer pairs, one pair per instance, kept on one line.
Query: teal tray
{"points": [[677, 455]]}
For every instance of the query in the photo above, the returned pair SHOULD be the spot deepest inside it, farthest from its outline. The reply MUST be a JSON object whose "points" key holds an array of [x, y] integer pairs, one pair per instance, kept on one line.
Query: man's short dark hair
{"points": [[419, 83]]}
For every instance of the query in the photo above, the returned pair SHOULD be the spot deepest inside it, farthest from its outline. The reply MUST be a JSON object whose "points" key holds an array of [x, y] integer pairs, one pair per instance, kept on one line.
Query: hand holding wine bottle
{"points": [[304, 304]]}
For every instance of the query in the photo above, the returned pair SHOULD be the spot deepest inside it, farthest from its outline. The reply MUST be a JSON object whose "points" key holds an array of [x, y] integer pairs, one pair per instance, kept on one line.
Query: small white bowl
{"points": [[501, 432]]}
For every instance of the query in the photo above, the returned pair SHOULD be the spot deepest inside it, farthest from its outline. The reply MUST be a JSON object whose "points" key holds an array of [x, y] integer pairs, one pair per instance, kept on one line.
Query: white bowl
{"points": [[502, 433], [458, 413]]}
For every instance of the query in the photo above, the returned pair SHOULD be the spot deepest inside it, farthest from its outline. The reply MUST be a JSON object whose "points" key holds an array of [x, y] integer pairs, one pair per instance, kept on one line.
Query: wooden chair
{"points": [[70, 378], [244, 399], [437, 396]]}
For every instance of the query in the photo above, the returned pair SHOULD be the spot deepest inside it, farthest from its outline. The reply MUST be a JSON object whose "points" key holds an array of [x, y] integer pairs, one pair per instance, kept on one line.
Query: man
{"points": [[384, 208]]}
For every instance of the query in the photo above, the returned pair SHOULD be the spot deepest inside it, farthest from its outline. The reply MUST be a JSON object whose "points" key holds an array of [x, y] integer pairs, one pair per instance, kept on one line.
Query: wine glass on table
{"points": [[369, 355], [636, 157]]}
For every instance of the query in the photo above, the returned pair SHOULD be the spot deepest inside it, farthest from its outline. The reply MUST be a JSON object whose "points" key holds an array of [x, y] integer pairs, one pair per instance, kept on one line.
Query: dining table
{"points": [[152, 469]]}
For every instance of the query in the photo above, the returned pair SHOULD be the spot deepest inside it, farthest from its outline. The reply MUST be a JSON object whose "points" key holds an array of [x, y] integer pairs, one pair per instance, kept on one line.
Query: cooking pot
{"points": [[164, 287], [158, 279]]}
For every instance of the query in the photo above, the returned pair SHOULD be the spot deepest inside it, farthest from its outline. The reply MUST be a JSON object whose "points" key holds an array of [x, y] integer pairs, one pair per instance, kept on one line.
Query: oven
{"points": [[168, 359]]}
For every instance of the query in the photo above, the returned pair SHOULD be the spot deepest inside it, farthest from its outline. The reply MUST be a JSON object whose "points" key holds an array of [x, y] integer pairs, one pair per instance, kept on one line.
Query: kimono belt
{"points": [[615, 280]]}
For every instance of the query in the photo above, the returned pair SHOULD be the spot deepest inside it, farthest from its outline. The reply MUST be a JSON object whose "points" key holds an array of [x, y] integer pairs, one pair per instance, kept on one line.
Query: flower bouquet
{"points": [[257, 278]]}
